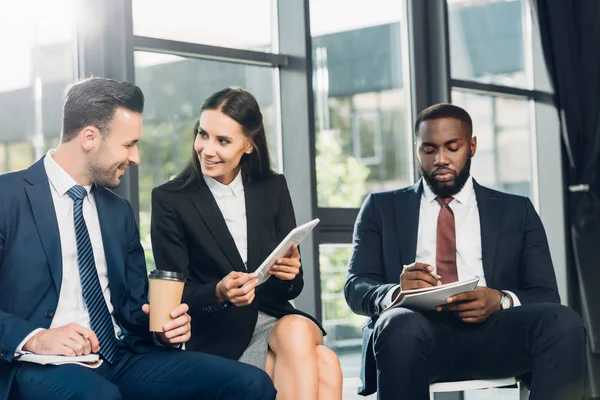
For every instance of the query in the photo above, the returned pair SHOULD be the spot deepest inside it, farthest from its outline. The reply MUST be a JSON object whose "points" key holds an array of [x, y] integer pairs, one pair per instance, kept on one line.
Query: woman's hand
{"points": [[287, 268], [237, 288]]}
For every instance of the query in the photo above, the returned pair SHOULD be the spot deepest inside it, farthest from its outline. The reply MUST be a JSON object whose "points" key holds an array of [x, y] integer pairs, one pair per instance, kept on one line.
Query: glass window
{"points": [[37, 43], [362, 138], [504, 158], [240, 24], [344, 328], [487, 41], [175, 88]]}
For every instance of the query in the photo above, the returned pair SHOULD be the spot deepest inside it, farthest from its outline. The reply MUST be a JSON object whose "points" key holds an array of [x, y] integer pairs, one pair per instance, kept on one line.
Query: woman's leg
{"points": [[330, 374], [294, 340], [301, 367], [270, 365]]}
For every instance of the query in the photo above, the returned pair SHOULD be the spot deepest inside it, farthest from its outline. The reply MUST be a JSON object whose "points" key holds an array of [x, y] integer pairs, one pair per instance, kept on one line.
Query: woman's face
{"points": [[220, 144]]}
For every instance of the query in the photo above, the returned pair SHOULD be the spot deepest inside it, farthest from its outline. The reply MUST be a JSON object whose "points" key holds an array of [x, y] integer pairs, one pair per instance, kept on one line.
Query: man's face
{"points": [[444, 151], [118, 150]]}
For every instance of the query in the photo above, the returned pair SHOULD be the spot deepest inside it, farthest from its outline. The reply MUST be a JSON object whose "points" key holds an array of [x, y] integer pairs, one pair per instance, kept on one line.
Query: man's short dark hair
{"points": [[445, 110], [92, 102]]}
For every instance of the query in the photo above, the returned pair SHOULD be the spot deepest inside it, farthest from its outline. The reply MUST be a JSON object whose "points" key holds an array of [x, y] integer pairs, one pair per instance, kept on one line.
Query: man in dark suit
{"points": [[448, 228], [73, 276]]}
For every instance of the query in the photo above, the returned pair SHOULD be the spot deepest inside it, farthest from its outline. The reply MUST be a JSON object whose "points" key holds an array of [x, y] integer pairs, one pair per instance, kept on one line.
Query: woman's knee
{"points": [[294, 332]]}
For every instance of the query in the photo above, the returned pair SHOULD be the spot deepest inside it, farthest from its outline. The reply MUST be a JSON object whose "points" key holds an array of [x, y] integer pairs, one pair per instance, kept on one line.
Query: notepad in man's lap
{"points": [[426, 299], [89, 361]]}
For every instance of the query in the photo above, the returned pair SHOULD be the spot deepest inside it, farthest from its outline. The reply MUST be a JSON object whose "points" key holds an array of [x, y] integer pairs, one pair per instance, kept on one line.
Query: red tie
{"points": [[445, 255]]}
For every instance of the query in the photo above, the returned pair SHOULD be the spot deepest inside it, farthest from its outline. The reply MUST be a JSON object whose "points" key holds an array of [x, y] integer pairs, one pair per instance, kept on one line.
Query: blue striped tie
{"points": [[100, 319]]}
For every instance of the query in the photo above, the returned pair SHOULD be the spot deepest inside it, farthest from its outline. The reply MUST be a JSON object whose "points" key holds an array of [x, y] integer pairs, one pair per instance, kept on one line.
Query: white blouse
{"points": [[232, 203]]}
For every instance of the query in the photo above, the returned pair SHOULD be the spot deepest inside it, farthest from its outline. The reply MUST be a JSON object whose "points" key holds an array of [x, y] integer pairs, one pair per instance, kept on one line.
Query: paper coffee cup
{"points": [[166, 289]]}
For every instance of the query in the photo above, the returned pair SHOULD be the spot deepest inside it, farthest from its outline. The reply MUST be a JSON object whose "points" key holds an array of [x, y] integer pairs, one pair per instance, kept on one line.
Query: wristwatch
{"points": [[504, 300]]}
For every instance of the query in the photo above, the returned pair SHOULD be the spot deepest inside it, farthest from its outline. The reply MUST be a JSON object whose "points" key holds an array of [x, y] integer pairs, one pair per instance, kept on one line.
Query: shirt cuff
{"points": [[387, 300], [19, 351], [515, 299]]}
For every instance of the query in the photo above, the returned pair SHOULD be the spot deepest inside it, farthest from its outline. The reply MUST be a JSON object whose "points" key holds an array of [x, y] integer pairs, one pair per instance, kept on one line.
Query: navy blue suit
{"points": [[419, 348], [30, 284]]}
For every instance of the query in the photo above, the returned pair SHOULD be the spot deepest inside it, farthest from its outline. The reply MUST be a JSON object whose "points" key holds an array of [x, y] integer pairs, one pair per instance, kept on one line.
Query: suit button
{"points": [[2, 353], [49, 314]]}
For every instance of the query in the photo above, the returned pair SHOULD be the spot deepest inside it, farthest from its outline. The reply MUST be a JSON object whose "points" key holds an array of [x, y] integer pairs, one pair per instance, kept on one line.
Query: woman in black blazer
{"points": [[216, 222]]}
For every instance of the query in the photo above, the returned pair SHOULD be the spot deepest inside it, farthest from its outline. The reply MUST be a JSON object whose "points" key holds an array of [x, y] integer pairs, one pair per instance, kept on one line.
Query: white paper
{"points": [[296, 236], [90, 360], [427, 299]]}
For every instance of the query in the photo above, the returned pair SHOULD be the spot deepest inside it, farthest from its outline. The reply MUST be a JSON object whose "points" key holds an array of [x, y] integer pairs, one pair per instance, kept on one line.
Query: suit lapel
{"points": [[110, 242], [253, 206], [204, 202], [407, 207], [491, 211], [44, 215]]}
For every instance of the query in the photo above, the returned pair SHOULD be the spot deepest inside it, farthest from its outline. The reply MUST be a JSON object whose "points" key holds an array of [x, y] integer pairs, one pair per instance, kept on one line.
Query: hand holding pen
{"points": [[418, 276]]}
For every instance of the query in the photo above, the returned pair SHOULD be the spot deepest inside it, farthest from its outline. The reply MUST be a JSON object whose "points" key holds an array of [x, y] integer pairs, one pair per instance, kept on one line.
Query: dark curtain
{"points": [[570, 33]]}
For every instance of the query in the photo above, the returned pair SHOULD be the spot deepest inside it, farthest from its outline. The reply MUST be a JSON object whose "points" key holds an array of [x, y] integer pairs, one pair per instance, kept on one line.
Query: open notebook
{"points": [[426, 299], [89, 361]]}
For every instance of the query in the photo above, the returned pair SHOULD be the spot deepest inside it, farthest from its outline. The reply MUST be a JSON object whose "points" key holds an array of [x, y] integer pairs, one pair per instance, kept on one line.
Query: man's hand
{"points": [[69, 340], [177, 331], [417, 276], [287, 268], [237, 287], [475, 306]]}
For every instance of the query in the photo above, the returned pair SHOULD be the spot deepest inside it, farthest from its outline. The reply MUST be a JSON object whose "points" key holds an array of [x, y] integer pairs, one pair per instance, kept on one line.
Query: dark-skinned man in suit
{"points": [[446, 228]]}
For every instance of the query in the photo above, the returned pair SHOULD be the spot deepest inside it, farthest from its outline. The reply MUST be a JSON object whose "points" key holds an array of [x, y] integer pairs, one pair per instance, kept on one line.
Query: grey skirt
{"points": [[256, 352]]}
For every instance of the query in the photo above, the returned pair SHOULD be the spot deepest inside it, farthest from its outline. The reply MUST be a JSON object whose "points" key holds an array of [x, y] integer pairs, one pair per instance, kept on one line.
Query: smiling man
{"points": [[447, 228], [73, 274]]}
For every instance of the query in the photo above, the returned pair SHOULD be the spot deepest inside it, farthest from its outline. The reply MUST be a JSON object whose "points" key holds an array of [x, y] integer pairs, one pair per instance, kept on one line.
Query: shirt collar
{"points": [[59, 179], [463, 197], [219, 190]]}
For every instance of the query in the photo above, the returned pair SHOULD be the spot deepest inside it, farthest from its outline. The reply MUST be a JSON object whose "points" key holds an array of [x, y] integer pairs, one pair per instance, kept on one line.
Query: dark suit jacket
{"points": [[189, 235], [514, 247], [31, 263]]}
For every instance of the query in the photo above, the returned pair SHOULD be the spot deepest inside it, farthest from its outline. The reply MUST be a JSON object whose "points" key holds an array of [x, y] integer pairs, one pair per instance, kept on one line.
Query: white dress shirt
{"points": [[232, 203], [468, 235], [71, 305]]}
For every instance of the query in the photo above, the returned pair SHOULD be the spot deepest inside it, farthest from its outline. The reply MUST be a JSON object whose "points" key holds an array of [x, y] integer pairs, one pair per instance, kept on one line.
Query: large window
{"points": [[37, 44], [487, 41], [342, 325], [504, 141], [240, 24], [360, 100], [175, 88], [492, 77]]}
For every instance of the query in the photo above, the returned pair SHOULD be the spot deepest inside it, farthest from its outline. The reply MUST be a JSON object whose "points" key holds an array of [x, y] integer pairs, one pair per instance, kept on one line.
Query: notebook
{"points": [[89, 361], [426, 299]]}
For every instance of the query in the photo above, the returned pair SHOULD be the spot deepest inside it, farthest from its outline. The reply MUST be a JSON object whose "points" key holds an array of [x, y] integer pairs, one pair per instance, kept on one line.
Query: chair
{"points": [[460, 386]]}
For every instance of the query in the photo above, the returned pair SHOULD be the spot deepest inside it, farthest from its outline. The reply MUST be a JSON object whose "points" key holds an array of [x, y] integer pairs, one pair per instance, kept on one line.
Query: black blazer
{"points": [[514, 249], [189, 235]]}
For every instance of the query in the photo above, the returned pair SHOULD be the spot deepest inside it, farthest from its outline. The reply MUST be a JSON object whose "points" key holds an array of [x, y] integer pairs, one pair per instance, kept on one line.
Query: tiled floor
{"points": [[351, 370]]}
